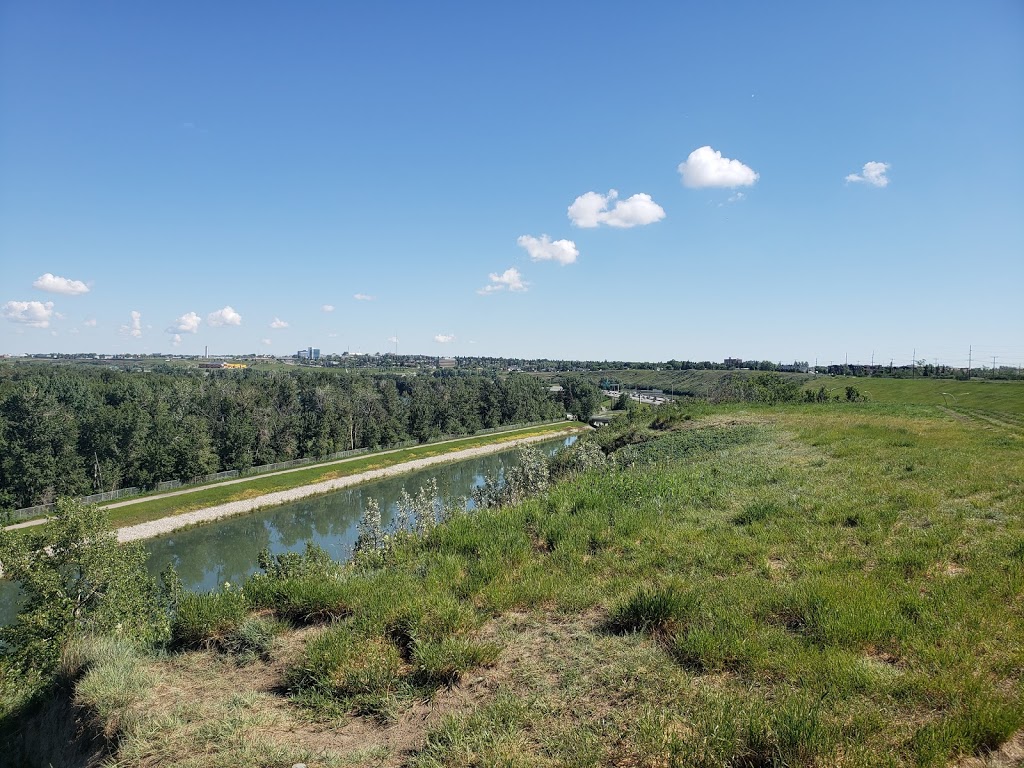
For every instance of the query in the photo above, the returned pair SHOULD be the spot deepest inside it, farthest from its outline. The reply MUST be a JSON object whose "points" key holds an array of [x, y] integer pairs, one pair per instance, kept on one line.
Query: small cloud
{"points": [[591, 210], [34, 314], [510, 279], [736, 197], [176, 340], [278, 323], [75, 331], [363, 297], [444, 338], [873, 173], [266, 342], [705, 167], [134, 327], [91, 322], [53, 333], [327, 307], [226, 316], [64, 285], [392, 339], [187, 323], [543, 249]]}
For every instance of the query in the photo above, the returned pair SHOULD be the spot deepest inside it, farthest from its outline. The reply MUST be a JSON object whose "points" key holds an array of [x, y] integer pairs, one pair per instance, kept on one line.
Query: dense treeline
{"points": [[73, 431]]}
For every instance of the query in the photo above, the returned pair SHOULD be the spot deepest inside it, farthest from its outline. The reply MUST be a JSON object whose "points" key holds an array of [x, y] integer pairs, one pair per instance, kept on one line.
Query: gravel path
{"points": [[174, 522]]}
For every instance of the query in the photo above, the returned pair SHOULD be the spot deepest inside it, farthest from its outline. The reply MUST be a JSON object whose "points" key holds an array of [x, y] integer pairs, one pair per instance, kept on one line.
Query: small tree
{"points": [[77, 579]]}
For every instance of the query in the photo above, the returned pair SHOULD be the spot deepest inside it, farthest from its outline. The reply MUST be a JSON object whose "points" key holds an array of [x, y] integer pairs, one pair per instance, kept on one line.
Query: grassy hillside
{"points": [[1000, 396], [823, 585]]}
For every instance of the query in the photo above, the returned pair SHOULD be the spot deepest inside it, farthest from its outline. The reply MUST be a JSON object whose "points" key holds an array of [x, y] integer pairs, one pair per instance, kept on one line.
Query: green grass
{"points": [[836, 584], [999, 396]]}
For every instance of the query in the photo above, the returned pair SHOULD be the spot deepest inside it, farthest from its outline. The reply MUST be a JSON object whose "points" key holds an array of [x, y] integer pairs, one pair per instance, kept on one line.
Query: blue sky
{"points": [[851, 179]]}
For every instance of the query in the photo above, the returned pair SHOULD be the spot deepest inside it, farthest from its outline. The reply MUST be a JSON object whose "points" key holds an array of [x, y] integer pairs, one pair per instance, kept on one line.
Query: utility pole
{"points": [[969, 351], [993, 366], [913, 365]]}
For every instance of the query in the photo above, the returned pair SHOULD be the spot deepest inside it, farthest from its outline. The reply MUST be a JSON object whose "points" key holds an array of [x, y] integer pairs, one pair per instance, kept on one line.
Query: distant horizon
{"points": [[974, 363]]}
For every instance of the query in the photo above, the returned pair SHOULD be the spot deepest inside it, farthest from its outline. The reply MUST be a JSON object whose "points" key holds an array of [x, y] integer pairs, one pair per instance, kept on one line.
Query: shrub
{"points": [[76, 580], [207, 620]]}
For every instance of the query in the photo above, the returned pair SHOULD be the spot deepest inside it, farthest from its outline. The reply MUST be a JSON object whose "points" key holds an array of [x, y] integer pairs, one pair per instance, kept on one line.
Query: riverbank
{"points": [[164, 525], [153, 507]]}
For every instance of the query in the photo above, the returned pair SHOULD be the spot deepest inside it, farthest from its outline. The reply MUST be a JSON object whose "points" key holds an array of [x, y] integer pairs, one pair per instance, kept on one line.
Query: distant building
{"points": [[446, 362], [733, 362]]}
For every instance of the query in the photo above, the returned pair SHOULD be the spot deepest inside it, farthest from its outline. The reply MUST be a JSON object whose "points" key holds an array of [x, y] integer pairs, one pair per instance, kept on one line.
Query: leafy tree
{"points": [[580, 396], [76, 580]]}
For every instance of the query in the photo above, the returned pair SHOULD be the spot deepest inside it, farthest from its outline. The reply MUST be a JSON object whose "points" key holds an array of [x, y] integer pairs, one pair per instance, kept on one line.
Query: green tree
{"points": [[76, 579]]}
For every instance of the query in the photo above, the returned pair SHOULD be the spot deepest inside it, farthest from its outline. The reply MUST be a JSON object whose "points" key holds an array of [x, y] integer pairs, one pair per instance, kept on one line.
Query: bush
{"points": [[207, 620], [77, 580]]}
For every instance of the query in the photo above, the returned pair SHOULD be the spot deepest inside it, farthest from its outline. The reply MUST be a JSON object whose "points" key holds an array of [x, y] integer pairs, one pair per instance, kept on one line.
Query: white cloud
{"points": [[226, 316], [75, 331], [54, 284], [176, 340], [705, 167], [34, 314], [278, 323], [267, 342], [392, 339], [91, 322], [444, 338], [510, 279], [543, 249], [873, 174], [363, 297], [736, 197], [134, 327], [591, 210], [327, 307], [187, 323]]}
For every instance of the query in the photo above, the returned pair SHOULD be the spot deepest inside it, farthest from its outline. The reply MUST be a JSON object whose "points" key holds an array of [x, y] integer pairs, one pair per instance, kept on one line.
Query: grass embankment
{"points": [[154, 509], [829, 585], [997, 396]]}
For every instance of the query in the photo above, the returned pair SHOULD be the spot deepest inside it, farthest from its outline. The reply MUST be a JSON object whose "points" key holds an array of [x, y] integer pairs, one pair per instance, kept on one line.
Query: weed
{"points": [[658, 610]]}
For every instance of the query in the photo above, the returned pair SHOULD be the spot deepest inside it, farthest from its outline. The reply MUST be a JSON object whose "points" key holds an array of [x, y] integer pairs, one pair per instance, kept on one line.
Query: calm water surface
{"points": [[209, 555]]}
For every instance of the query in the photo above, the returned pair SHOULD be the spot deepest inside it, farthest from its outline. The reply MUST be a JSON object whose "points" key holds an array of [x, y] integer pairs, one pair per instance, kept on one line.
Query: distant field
{"points": [[1005, 396], [699, 383]]}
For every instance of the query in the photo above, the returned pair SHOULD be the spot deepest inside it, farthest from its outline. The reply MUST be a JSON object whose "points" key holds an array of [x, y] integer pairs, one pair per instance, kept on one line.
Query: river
{"points": [[209, 555]]}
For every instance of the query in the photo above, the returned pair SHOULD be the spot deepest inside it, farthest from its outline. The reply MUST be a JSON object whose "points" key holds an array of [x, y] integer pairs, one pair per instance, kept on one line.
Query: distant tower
{"points": [[206, 351]]}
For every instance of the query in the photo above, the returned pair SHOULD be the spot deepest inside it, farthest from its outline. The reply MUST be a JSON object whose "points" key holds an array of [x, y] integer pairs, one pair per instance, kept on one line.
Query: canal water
{"points": [[209, 555]]}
